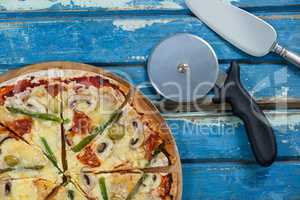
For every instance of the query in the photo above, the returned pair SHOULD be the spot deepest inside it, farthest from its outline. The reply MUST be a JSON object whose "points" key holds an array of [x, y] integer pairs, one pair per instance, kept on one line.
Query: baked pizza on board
{"points": [[73, 131]]}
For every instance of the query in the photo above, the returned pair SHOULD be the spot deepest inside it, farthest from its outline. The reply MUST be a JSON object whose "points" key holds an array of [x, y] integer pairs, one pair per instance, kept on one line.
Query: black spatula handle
{"points": [[259, 131]]}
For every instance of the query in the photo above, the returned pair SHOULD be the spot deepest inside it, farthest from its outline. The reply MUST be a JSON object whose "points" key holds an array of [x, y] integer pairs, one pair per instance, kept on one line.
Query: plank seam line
{"points": [[279, 14], [283, 159], [144, 63]]}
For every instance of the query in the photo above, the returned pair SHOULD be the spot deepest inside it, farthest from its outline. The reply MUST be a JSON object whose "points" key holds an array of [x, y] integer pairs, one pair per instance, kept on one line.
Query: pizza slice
{"points": [[92, 103], [19, 160], [88, 101], [30, 108]]}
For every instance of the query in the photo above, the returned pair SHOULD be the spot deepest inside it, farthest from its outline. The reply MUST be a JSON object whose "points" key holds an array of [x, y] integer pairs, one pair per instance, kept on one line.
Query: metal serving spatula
{"points": [[242, 29]]}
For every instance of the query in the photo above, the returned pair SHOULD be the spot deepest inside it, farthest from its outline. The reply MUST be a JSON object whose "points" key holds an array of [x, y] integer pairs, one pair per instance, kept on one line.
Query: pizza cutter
{"points": [[184, 68]]}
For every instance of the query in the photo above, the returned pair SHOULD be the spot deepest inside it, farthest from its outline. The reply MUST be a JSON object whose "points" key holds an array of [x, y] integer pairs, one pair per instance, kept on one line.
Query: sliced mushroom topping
{"points": [[138, 135], [160, 160], [151, 182], [104, 148], [85, 99], [33, 104], [83, 103], [108, 100], [15, 102], [87, 180]]}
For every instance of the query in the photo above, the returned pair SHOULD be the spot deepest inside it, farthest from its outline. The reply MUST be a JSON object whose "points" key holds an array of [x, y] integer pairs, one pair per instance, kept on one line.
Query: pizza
{"points": [[73, 131]]}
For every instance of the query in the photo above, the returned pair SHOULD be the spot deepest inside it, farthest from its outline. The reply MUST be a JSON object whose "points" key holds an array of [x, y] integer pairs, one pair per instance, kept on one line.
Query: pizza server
{"points": [[184, 68], [242, 29]]}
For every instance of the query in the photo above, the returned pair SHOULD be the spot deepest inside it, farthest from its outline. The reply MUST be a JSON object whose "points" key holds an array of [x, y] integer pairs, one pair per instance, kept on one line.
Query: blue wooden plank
{"points": [[117, 39], [237, 181], [64, 5], [213, 136]]}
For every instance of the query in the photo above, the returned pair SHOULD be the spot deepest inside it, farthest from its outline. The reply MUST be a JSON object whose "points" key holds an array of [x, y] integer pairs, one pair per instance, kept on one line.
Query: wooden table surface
{"points": [[119, 35]]}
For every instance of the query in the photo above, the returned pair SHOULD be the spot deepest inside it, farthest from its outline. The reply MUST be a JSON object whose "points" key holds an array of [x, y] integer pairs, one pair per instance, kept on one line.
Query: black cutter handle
{"points": [[259, 131]]}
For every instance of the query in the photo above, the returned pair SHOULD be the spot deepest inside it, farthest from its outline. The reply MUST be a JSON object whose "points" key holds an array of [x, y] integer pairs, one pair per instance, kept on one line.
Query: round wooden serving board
{"points": [[140, 102]]}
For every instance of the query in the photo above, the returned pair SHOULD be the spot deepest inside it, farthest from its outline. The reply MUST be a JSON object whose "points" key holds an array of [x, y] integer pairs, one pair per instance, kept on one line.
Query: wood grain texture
{"points": [[117, 40], [120, 34], [261, 80], [213, 136], [65, 5], [209, 181]]}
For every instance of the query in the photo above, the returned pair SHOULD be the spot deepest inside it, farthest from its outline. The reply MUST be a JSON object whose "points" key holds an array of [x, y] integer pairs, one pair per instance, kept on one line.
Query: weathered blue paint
{"points": [[207, 181], [116, 40], [261, 80], [217, 160], [59, 5], [224, 138]]}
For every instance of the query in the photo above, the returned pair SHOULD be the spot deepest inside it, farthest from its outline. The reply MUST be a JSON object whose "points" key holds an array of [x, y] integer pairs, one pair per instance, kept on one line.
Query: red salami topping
{"points": [[95, 81], [165, 186], [81, 123], [89, 158], [21, 126], [22, 85], [151, 144]]}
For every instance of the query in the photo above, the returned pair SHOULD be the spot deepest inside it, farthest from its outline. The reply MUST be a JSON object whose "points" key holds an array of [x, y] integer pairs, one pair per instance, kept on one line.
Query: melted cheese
{"points": [[122, 156], [40, 128], [28, 156], [51, 132], [6, 116], [118, 186], [77, 195], [27, 189]]}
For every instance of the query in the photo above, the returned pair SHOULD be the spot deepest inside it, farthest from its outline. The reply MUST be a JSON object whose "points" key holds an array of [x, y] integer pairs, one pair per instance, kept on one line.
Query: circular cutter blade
{"points": [[183, 68]]}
